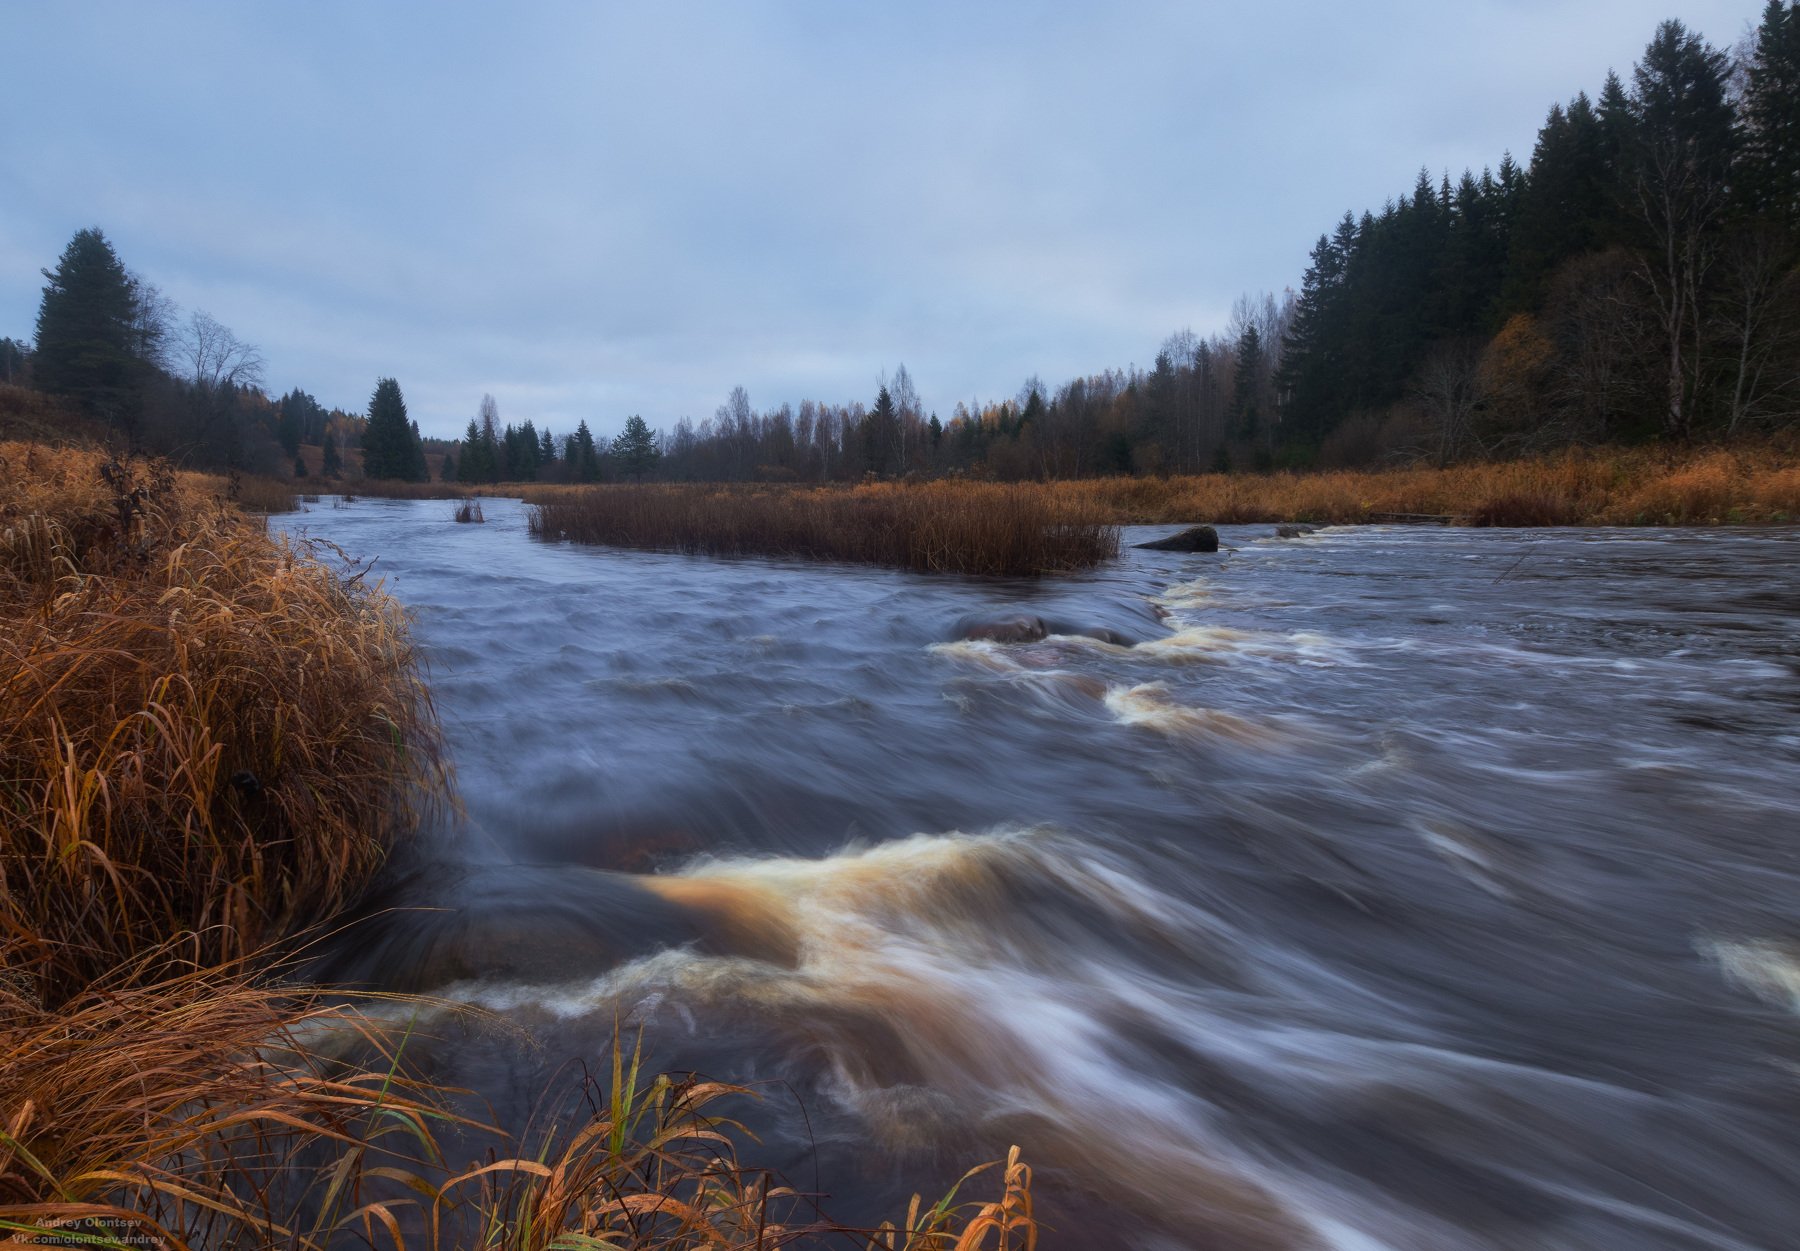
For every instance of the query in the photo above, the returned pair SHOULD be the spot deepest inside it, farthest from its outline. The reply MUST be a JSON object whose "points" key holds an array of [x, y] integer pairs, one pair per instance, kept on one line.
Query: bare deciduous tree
{"points": [[216, 357], [1758, 324], [1447, 388]]}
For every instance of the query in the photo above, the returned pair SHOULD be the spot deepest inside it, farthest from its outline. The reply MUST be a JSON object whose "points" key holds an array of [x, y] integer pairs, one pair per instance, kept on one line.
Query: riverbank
{"points": [[210, 741]]}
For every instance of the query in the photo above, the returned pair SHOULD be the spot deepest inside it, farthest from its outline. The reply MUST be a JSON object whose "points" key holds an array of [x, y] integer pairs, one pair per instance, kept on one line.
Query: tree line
{"points": [[1638, 279]]}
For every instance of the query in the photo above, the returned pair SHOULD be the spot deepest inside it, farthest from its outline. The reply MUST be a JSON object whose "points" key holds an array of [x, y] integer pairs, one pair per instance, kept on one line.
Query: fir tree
{"points": [[584, 461], [333, 465], [1769, 173], [388, 440], [85, 331], [635, 448]]}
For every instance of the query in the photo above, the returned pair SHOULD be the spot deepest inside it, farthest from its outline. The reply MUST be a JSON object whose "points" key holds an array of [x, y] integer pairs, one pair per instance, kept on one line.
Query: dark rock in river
{"points": [[1021, 628], [1027, 628], [1195, 539], [1292, 531]]}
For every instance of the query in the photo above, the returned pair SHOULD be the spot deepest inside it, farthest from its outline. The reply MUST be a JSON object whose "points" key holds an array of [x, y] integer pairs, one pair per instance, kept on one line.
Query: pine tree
{"points": [[881, 435], [584, 461], [492, 462], [85, 332], [1769, 172], [1246, 404], [468, 465], [388, 439], [447, 470], [333, 465], [416, 468], [636, 449]]}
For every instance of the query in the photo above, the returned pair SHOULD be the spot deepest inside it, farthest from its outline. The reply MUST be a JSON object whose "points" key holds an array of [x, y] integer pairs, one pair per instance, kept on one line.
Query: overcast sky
{"points": [[592, 210]]}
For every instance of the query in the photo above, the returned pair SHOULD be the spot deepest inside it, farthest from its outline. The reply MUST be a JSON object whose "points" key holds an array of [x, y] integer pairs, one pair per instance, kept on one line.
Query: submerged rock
{"points": [[1022, 628], [1028, 628], [1193, 539], [1293, 531]]}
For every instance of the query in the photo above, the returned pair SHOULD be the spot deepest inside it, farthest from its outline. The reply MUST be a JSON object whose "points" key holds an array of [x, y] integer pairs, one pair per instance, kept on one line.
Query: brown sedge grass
{"points": [[154, 1071], [936, 527]]}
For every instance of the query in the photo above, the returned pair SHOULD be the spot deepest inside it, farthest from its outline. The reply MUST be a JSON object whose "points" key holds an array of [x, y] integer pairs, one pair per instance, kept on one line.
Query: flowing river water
{"points": [[1385, 887]]}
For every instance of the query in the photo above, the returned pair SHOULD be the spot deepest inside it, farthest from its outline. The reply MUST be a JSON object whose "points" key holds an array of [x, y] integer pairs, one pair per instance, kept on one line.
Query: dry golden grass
{"points": [[389, 489], [250, 493], [196, 1108], [204, 732], [937, 527], [209, 738], [1706, 487]]}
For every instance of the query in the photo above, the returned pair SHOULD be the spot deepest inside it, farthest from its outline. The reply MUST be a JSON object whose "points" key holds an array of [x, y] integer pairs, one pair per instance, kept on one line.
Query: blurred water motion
{"points": [[1401, 888]]}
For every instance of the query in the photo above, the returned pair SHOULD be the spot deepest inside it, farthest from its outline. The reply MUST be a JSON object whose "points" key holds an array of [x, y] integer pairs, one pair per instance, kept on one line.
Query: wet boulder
{"points": [[1193, 539], [1028, 628], [1015, 628], [1293, 531]]}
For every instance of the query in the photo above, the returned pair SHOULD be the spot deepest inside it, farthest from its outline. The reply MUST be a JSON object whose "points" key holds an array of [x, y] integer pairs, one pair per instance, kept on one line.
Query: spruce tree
{"points": [[416, 468], [469, 466], [636, 449], [388, 440], [584, 463], [1769, 172], [85, 331], [333, 465]]}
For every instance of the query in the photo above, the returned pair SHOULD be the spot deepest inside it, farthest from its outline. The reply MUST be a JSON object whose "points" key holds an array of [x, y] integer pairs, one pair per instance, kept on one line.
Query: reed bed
{"points": [[206, 733], [250, 493], [939, 527], [467, 511], [393, 489]]}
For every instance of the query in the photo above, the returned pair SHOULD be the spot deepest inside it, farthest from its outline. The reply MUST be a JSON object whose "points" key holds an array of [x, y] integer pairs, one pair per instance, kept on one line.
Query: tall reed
{"points": [[208, 739], [1609, 487], [938, 527], [206, 733]]}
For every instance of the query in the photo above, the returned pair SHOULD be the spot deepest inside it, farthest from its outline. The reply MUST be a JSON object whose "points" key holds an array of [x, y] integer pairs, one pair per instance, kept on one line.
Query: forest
{"points": [[1637, 281]]}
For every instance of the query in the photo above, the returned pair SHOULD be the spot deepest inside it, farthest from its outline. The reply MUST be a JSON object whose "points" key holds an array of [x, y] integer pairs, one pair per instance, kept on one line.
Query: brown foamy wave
{"points": [[899, 966], [1151, 706]]}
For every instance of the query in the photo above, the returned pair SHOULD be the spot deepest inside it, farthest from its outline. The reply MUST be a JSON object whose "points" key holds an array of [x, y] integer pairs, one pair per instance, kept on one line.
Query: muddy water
{"points": [[1384, 888]]}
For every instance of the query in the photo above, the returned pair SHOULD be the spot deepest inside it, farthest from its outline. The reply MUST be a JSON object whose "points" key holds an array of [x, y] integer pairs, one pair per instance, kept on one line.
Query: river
{"points": [[1388, 887]]}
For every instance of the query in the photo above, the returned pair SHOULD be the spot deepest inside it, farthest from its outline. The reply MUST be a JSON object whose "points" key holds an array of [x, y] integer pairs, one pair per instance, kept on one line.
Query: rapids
{"points": [[1399, 888]]}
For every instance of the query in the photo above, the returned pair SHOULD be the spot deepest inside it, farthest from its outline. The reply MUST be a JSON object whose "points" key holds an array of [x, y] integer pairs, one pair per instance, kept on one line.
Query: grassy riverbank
{"points": [[210, 740], [1649, 487], [1029, 528]]}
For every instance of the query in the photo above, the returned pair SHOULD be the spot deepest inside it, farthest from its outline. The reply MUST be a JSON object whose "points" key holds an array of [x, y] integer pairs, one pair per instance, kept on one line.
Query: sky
{"points": [[593, 210]]}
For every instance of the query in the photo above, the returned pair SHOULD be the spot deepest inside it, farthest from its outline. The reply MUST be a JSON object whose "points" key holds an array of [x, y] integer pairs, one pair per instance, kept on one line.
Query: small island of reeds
{"points": [[936, 527]]}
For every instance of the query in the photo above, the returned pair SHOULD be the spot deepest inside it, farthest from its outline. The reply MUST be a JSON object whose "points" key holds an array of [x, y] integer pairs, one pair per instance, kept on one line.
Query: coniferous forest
{"points": [[1637, 280]]}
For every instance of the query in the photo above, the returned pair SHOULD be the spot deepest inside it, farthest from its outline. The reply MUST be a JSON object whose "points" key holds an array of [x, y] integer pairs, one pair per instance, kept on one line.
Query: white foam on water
{"points": [[1151, 706], [990, 1026], [1768, 970]]}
